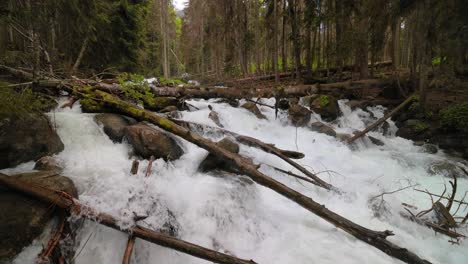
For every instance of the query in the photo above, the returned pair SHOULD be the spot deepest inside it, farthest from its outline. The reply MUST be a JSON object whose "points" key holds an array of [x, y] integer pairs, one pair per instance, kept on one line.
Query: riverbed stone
{"points": [[252, 107], [429, 148], [148, 141], [446, 168], [322, 128], [114, 125], [212, 162]]}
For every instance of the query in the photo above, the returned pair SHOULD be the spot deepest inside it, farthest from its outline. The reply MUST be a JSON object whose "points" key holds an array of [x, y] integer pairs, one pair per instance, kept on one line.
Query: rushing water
{"points": [[248, 220]]}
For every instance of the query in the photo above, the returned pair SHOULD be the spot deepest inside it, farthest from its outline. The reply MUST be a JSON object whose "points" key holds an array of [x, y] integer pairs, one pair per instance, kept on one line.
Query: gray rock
{"points": [[298, 115], [27, 138], [212, 162], [114, 125], [322, 128], [24, 218], [429, 148], [252, 107], [148, 141]]}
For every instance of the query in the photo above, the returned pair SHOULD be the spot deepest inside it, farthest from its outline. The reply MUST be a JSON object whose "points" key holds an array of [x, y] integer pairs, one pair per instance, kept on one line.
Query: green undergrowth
{"points": [[18, 103], [455, 117]]}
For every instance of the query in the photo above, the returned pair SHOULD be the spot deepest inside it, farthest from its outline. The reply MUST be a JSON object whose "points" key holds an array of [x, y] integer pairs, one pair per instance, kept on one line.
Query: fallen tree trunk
{"points": [[65, 201], [270, 148], [245, 166], [381, 120]]}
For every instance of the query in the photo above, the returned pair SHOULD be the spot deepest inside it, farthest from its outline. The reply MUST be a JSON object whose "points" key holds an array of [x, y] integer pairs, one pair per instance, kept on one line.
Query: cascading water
{"points": [[252, 222]]}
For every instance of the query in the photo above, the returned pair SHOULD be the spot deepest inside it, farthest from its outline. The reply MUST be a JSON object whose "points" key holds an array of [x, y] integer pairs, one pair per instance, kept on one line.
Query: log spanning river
{"points": [[232, 215]]}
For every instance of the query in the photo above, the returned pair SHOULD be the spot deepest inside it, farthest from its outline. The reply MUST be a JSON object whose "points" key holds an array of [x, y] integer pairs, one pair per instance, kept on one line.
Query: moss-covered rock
{"points": [[326, 106]]}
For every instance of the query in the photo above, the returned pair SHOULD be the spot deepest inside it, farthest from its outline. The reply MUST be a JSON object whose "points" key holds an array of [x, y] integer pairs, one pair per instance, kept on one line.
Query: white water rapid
{"points": [[247, 220]]}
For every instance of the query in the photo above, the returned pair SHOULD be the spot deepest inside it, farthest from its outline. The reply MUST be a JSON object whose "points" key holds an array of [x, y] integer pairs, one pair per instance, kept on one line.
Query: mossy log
{"points": [[65, 201], [245, 166]]}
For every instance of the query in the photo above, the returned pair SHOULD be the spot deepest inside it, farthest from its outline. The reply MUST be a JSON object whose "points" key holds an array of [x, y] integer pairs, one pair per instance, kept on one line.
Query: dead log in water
{"points": [[73, 206], [381, 120], [245, 166]]}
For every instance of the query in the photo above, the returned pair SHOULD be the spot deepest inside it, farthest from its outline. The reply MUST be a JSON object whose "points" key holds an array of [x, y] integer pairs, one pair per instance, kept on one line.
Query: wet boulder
{"points": [[322, 128], [24, 218], [326, 106], [114, 125], [29, 137], [212, 162], [148, 141], [299, 115], [252, 107]]}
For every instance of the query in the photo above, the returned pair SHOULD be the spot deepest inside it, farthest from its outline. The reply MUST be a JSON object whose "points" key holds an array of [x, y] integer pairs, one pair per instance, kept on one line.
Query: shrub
{"points": [[455, 117]]}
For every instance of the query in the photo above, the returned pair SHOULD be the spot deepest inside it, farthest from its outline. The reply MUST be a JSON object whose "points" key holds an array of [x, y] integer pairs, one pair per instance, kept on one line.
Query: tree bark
{"points": [[381, 120]]}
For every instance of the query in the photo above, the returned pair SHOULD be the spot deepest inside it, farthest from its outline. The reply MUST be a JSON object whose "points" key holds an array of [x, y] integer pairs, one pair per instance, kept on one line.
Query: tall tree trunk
{"points": [[296, 38], [283, 38], [80, 55], [275, 40], [395, 42]]}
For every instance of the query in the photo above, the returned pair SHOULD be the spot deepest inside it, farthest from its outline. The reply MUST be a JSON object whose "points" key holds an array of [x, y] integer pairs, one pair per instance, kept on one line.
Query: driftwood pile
{"points": [[106, 94]]}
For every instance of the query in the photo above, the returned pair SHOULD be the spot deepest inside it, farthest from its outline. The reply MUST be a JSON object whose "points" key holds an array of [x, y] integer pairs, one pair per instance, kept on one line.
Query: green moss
{"points": [[324, 100], [420, 127], [455, 117], [165, 123]]}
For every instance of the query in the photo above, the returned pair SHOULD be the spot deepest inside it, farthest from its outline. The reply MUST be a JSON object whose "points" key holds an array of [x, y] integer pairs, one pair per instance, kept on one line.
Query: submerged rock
{"points": [[376, 141], [231, 102], [213, 162], [27, 138], [322, 128], [299, 115], [252, 107], [429, 148], [214, 116], [114, 125], [48, 163], [447, 169], [24, 218], [148, 141], [326, 106]]}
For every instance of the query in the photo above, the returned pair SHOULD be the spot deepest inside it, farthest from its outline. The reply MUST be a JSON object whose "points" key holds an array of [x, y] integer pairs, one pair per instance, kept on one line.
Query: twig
{"points": [[150, 164], [443, 197], [391, 192], [293, 175], [128, 250]]}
